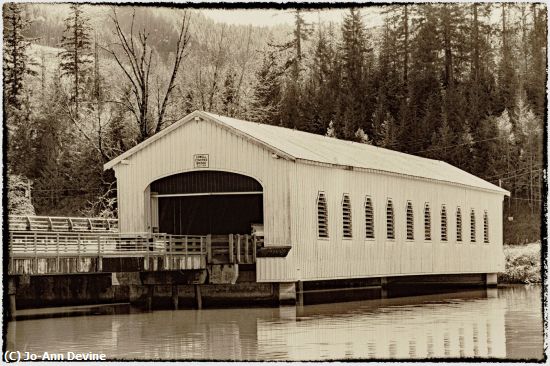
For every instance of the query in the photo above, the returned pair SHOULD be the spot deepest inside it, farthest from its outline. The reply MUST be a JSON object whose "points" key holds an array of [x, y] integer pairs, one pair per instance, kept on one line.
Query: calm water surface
{"points": [[503, 323]]}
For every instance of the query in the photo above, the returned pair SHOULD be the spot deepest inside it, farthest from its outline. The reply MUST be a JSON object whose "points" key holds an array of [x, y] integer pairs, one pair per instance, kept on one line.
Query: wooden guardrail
{"points": [[35, 252], [62, 224]]}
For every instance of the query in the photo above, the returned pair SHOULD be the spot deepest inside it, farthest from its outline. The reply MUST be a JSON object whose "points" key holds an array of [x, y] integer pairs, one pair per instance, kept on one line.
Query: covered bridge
{"points": [[346, 210]]}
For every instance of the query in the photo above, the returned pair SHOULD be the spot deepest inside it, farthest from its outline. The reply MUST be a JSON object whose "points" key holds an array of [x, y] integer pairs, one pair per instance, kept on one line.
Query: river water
{"points": [[494, 323]]}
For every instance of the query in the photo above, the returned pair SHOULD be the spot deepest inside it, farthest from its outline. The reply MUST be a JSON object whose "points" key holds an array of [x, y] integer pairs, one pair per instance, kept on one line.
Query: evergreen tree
{"points": [[421, 115], [229, 94], [507, 82], [453, 42], [537, 60], [323, 84], [16, 60], [267, 91], [389, 136], [189, 102], [396, 41], [19, 196], [356, 104], [77, 51]]}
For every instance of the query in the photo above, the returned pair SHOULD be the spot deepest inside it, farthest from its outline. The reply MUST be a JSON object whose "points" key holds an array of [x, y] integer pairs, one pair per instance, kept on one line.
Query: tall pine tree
{"points": [[15, 58], [77, 51]]}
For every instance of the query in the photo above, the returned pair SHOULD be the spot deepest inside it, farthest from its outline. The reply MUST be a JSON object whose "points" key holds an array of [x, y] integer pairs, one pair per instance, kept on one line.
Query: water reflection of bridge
{"points": [[434, 326], [459, 325]]}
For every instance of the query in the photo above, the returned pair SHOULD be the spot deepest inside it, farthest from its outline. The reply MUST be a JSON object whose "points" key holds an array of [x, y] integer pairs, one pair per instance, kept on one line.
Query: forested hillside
{"points": [[463, 83]]}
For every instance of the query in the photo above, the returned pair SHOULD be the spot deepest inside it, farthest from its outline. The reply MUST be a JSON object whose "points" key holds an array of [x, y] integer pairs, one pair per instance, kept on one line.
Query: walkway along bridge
{"points": [[64, 245], [69, 260]]}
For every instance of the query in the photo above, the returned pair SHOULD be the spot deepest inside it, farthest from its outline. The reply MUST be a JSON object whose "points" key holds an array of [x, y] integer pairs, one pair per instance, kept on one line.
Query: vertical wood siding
{"points": [[227, 152], [317, 258]]}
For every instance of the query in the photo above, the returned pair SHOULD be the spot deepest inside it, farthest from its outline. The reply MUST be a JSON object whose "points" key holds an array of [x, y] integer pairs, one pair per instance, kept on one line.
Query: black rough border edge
{"points": [[282, 6]]}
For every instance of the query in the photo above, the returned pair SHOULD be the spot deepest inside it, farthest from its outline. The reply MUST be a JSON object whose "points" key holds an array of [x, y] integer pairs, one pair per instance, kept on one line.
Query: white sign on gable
{"points": [[200, 160]]}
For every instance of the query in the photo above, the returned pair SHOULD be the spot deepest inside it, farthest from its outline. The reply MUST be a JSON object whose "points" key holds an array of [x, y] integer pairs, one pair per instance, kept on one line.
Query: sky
{"points": [[271, 17]]}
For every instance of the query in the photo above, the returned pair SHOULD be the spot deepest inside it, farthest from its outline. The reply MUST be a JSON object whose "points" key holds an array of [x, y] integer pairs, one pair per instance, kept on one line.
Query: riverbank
{"points": [[523, 264]]}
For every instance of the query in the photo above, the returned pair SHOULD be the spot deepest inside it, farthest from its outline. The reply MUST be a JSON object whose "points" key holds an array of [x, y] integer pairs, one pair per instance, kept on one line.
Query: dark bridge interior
{"points": [[208, 202]]}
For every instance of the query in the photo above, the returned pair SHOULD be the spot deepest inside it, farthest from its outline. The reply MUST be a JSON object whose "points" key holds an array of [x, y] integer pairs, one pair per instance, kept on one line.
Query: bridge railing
{"points": [[61, 224], [82, 244], [40, 252]]}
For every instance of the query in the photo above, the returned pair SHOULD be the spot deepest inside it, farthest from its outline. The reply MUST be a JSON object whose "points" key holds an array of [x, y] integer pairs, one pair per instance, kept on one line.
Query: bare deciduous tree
{"points": [[136, 63]]}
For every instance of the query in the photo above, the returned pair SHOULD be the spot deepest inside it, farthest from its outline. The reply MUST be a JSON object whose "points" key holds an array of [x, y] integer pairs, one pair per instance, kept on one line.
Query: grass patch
{"points": [[522, 264]]}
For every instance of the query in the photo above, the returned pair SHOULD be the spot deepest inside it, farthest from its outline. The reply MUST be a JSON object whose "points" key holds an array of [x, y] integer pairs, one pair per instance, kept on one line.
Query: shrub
{"points": [[523, 264]]}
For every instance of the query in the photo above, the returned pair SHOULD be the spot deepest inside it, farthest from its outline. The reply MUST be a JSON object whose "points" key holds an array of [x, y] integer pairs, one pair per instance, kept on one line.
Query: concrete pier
{"points": [[287, 293], [491, 279]]}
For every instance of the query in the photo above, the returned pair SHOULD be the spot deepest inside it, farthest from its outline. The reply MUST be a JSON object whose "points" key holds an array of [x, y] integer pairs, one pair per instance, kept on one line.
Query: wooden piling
{"points": [[12, 289], [383, 287], [198, 297], [175, 297], [149, 300], [13, 308], [300, 293]]}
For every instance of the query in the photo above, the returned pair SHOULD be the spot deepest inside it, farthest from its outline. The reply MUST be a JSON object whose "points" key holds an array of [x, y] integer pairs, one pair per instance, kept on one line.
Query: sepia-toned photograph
{"points": [[233, 182]]}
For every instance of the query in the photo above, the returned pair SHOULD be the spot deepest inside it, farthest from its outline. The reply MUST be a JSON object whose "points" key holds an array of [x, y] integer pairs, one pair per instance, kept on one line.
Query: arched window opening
{"points": [[322, 216], [410, 221], [443, 223], [427, 222], [472, 226], [390, 227], [346, 217], [458, 224], [369, 219], [485, 227]]}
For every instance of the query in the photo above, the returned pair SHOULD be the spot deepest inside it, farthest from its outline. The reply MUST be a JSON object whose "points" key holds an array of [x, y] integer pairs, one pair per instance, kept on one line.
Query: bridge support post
{"points": [[300, 293], [198, 296], [175, 297], [491, 279], [149, 300], [383, 287], [12, 289], [287, 293]]}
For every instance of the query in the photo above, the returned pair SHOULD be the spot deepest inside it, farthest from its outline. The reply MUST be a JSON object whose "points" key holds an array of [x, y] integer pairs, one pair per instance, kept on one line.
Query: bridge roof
{"points": [[307, 147]]}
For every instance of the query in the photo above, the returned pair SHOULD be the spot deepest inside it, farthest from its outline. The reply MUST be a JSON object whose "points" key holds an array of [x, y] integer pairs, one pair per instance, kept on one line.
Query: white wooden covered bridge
{"points": [[336, 209]]}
